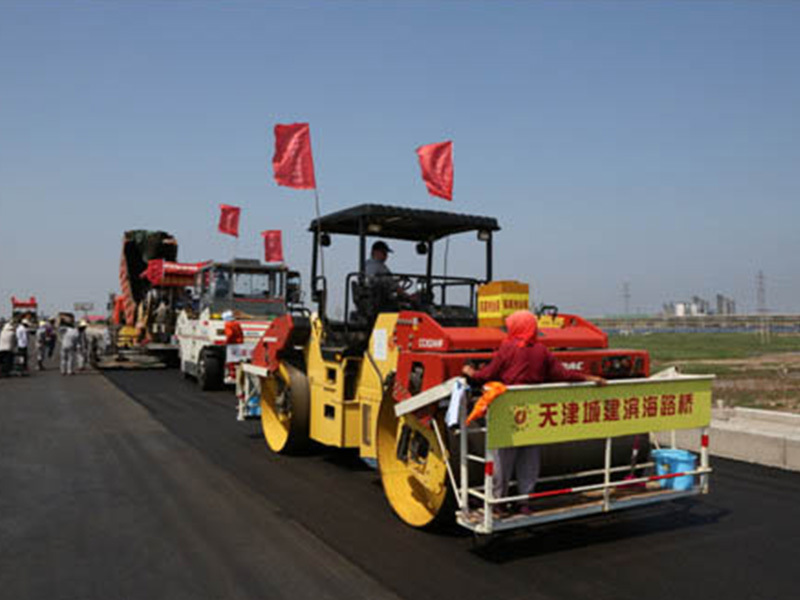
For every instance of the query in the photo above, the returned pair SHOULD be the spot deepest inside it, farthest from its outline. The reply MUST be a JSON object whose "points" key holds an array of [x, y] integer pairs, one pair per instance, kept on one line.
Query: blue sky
{"points": [[650, 142]]}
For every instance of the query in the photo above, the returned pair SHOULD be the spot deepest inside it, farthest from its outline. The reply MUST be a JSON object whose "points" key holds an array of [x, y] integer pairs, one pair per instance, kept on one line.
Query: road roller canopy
{"points": [[397, 222], [426, 227]]}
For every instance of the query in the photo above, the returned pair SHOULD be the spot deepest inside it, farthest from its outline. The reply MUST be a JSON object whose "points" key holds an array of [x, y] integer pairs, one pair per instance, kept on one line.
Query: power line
{"points": [[761, 293]]}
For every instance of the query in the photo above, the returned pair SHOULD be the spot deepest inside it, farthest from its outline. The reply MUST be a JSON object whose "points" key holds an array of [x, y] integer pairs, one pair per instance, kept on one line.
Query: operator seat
{"points": [[372, 297]]}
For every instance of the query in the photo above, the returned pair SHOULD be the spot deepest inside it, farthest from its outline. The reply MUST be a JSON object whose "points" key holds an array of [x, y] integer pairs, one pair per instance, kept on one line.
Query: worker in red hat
{"points": [[522, 359]]}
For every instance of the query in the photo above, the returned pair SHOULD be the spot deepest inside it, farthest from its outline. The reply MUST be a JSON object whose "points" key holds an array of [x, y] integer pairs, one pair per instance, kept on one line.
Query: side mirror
{"points": [[325, 240], [294, 295], [422, 248]]}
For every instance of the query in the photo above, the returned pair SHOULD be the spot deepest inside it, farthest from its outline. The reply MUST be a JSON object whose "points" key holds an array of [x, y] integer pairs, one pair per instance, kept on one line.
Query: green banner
{"points": [[559, 413]]}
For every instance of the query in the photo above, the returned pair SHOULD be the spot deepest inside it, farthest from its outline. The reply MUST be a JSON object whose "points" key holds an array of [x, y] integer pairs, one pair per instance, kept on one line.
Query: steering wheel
{"points": [[404, 283]]}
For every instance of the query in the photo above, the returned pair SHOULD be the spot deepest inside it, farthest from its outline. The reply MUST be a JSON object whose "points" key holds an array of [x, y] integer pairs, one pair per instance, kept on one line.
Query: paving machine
{"points": [[153, 288], [139, 247], [338, 381]]}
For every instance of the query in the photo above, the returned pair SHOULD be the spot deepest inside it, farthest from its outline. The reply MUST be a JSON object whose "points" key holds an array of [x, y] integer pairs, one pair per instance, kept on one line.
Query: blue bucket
{"points": [[670, 460]]}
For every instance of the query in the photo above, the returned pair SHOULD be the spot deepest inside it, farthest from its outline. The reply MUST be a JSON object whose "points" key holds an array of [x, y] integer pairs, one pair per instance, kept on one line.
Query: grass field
{"points": [[749, 372], [667, 347]]}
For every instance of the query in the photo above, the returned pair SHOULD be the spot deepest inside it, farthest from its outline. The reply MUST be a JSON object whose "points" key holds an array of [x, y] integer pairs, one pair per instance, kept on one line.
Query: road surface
{"points": [[138, 485]]}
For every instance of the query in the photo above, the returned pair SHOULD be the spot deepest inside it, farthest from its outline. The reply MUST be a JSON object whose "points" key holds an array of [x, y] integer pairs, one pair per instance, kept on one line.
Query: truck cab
{"points": [[226, 312]]}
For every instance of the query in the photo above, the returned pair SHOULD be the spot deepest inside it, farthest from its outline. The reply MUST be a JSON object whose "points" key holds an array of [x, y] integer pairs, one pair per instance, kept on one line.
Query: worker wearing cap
{"points": [[522, 359], [375, 266], [83, 345]]}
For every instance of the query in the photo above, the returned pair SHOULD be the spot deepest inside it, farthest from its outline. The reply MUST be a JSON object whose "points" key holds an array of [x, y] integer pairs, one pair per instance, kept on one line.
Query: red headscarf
{"points": [[522, 328]]}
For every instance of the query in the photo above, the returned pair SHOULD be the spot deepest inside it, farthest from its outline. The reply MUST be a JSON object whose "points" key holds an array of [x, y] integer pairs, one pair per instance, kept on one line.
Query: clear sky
{"points": [[655, 143]]}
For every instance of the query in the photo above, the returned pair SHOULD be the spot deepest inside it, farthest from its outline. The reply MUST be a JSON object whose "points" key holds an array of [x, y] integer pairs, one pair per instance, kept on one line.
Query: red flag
{"points": [[273, 246], [292, 163], [229, 219], [436, 161]]}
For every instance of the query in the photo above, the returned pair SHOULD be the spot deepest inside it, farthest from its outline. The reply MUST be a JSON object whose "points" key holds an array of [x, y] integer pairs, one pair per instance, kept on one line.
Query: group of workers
{"points": [[15, 345]]}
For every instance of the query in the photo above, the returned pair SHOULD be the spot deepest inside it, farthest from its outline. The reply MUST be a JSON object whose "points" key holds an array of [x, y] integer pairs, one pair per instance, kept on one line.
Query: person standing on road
{"points": [[83, 345], [70, 341], [41, 345], [52, 337], [522, 359], [22, 345], [8, 340]]}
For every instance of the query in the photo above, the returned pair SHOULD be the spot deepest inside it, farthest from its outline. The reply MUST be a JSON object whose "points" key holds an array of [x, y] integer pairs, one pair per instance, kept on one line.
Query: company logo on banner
{"points": [[563, 413]]}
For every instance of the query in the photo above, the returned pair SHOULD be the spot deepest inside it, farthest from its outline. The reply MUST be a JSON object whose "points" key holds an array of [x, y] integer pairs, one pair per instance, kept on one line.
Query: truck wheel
{"points": [[209, 371], [413, 468], [285, 410]]}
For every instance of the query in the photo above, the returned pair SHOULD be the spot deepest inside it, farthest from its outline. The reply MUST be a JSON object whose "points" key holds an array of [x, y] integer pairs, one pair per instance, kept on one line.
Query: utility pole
{"points": [[626, 294], [761, 307]]}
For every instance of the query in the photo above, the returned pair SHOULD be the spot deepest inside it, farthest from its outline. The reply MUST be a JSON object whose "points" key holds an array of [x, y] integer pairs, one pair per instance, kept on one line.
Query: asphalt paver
{"points": [[142, 486]]}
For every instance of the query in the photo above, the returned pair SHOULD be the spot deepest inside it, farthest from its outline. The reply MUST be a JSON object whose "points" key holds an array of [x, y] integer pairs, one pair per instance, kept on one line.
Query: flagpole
{"points": [[319, 234]]}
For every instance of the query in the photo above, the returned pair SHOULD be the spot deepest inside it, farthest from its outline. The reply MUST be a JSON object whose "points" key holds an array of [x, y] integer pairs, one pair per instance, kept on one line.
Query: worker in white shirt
{"points": [[8, 342], [70, 341], [41, 345], [22, 345]]}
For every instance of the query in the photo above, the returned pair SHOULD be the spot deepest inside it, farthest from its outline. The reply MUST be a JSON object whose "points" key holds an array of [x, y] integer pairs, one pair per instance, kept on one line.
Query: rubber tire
{"points": [[209, 371], [296, 439]]}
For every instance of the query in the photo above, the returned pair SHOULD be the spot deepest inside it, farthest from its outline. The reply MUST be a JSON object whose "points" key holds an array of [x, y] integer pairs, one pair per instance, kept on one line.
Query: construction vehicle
{"points": [[233, 305], [139, 247], [153, 288], [25, 309], [404, 339]]}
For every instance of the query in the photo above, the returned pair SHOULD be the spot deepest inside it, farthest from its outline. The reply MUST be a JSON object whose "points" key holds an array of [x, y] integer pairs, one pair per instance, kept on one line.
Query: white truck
{"points": [[233, 304]]}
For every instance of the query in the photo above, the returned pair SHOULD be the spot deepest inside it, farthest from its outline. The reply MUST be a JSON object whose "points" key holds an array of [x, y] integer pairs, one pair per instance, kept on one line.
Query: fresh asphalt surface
{"points": [[138, 485]]}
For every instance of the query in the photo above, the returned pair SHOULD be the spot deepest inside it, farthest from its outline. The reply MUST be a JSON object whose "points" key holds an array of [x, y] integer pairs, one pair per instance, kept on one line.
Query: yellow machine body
{"points": [[126, 336], [346, 391]]}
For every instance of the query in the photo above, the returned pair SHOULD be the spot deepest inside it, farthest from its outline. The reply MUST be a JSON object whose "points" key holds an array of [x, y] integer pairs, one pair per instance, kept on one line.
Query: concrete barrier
{"points": [[758, 436]]}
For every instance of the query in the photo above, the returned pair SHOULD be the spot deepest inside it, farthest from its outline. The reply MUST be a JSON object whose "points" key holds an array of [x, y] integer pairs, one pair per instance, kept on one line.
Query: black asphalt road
{"points": [[148, 488]]}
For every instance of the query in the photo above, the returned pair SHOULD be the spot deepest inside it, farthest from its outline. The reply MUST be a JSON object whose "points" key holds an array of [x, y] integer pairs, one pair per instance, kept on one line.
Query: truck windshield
{"points": [[257, 286], [247, 293]]}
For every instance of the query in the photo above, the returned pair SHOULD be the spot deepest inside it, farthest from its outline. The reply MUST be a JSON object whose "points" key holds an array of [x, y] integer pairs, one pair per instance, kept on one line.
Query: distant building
{"points": [[725, 305], [699, 307]]}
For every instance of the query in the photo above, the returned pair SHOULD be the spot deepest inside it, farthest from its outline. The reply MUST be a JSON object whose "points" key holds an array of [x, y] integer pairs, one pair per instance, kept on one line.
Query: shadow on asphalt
{"points": [[546, 540]]}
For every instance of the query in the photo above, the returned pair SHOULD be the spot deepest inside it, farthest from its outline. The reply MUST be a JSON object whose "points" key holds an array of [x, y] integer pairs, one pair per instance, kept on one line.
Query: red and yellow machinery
{"points": [[153, 291], [337, 382], [25, 309]]}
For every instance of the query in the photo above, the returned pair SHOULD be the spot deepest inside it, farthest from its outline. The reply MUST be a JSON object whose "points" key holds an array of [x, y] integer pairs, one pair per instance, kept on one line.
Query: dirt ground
{"points": [[771, 381]]}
